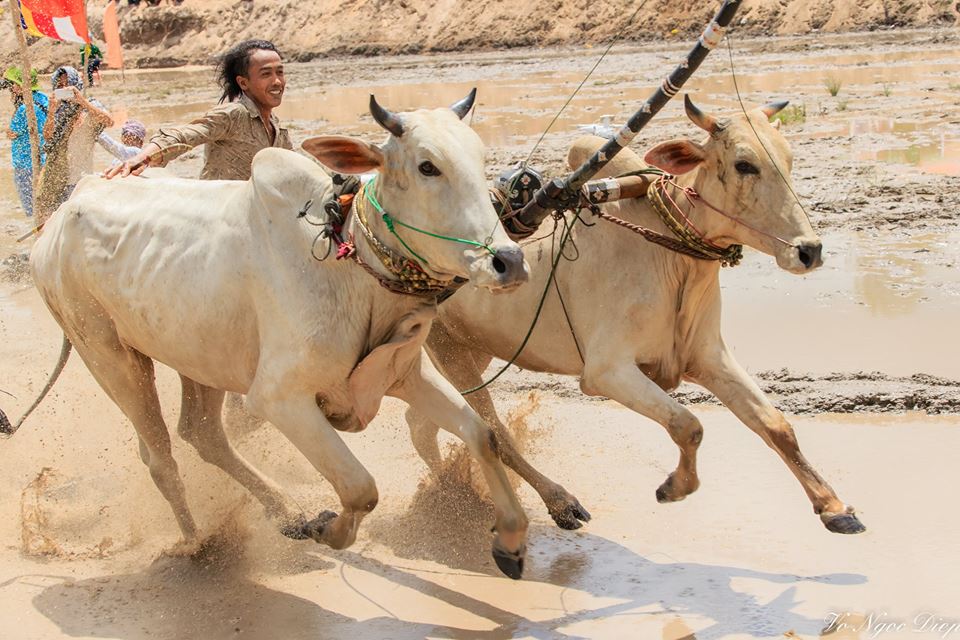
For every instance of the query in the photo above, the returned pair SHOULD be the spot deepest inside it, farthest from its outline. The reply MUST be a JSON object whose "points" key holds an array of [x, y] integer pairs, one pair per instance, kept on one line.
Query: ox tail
{"points": [[5, 426]]}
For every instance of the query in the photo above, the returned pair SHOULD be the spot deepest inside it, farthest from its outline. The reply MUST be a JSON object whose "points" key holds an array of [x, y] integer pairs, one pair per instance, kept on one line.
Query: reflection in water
{"points": [[894, 277], [942, 156], [877, 304]]}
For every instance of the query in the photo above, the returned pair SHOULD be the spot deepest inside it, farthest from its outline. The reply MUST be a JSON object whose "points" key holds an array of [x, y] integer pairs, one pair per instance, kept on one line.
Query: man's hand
{"points": [[135, 165], [12, 134]]}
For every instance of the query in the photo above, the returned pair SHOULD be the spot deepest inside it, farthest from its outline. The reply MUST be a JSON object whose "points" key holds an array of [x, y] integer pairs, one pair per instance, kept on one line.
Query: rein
{"points": [[689, 240]]}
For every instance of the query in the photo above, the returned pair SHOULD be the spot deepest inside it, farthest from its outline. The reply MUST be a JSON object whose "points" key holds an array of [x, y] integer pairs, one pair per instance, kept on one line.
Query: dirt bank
{"points": [[197, 30]]}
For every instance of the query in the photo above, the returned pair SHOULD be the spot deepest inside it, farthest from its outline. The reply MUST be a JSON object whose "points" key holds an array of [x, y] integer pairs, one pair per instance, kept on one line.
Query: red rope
{"points": [[694, 197]]}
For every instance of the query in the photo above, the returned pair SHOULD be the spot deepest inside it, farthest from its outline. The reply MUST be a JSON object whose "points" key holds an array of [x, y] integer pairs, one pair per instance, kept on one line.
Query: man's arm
{"points": [[174, 141], [117, 149], [94, 109], [48, 126]]}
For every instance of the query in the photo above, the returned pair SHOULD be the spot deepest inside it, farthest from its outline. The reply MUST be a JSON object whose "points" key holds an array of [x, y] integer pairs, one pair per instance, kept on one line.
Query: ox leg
{"points": [[423, 434], [201, 425], [464, 368], [625, 383], [127, 377], [433, 396], [300, 420], [726, 379]]}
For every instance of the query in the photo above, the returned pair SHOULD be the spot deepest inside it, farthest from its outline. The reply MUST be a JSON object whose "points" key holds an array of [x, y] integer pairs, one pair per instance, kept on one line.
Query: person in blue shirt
{"points": [[19, 134]]}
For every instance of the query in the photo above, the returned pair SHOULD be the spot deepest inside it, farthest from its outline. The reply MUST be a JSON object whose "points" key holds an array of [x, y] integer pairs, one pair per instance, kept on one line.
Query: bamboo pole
{"points": [[27, 88]]}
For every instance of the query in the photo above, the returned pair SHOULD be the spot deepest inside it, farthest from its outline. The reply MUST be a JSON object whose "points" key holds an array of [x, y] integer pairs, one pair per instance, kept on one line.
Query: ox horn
{"points": [[773, 108], [706, 122], [384, 118], [462, 107]]}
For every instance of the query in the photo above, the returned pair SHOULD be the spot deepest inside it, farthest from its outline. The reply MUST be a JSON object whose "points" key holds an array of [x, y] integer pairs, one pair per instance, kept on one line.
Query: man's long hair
{"points": [[236, 62]]}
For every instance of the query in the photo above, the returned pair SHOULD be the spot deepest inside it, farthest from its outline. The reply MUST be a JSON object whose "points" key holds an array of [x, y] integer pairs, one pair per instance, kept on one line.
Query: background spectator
{"points": [[70, 134], [20, 147]]}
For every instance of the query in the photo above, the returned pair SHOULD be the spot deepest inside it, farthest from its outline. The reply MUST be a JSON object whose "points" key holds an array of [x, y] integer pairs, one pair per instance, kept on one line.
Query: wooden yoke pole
{"points": [[27, 68]]}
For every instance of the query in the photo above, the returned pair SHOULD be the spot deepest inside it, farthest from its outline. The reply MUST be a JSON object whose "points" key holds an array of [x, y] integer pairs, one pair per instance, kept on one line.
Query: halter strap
{"points": [[391, 223]]}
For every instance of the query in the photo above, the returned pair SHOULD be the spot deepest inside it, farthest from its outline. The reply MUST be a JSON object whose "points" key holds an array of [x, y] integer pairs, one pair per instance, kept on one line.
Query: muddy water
{"points": [[876, 305]]}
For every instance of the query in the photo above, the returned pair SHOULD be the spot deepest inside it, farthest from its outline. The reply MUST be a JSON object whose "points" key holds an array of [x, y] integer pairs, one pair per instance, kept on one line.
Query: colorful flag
{"points": [[111, 34], [57, 19]]}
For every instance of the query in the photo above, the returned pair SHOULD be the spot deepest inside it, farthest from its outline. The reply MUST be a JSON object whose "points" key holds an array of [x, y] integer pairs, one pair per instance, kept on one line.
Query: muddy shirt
{"points": [[233, 133]]}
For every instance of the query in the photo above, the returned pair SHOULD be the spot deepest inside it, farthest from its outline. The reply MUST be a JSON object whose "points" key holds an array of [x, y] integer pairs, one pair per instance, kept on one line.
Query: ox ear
{"points": [[676, 156], [343, 154]]}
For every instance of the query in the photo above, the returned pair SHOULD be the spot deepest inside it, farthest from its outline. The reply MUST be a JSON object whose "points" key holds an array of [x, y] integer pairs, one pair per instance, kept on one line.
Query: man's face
{"points": [[264, 82]]}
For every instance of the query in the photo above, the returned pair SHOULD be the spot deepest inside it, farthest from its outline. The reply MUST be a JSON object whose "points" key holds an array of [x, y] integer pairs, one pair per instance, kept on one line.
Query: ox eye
{"points": [[427, 168], [745, 168]]}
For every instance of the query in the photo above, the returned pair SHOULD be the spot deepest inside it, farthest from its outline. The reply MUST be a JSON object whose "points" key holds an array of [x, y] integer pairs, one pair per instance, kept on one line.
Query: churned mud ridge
{"points": [[797, 393]]}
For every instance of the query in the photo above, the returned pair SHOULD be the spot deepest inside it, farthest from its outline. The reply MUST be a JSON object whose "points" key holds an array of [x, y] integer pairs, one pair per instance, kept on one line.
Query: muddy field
{"points": [[861, 352]]}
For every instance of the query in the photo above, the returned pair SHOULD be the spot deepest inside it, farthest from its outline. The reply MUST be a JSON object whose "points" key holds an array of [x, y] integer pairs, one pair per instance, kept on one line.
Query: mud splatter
{"points": [[15, 268]]}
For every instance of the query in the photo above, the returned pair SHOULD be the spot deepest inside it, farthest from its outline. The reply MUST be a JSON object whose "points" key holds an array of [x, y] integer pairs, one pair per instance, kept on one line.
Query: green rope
{"points": [[390, 221], [565, 236]]}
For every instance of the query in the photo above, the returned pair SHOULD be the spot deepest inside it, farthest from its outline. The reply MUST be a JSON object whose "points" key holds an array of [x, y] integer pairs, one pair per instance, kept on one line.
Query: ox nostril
{"points": [[509, 265], [809, 254]]}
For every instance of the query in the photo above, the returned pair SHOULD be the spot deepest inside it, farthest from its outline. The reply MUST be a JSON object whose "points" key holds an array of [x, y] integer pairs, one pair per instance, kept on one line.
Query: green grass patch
{"points": [[833, 85], [792, 114]]}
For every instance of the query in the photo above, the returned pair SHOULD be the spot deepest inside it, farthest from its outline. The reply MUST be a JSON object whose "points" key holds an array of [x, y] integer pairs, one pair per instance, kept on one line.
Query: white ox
{"points": [[647, 317], [217, 280]]}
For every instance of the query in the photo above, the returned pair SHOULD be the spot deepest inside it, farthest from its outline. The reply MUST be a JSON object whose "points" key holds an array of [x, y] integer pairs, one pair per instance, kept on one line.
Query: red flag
{"points": [[57, 19], [111, 35]]}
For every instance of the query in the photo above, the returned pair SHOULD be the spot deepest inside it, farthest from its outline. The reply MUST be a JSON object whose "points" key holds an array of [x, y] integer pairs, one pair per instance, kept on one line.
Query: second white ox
{"points": [[217, 280], [645, 317]]}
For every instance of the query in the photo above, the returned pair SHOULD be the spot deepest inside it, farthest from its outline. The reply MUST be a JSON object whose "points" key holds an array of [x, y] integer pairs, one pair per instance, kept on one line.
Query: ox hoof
{"points": [[509, 562], [571, 515], [668, 491], [301, 529], [294, 528], [843, 523]]}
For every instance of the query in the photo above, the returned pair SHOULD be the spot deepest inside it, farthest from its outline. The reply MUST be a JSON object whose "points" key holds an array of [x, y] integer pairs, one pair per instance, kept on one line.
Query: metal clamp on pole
{"points": [[612, 189]]}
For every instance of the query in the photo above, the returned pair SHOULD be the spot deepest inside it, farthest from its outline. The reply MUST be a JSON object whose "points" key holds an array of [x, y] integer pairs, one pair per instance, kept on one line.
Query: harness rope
{"points": [[410, 277], [564, 238], [390, 221]]}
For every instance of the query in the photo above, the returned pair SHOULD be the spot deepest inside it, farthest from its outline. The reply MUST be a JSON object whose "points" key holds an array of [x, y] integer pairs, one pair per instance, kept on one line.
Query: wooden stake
{"points": [[28, 93]]}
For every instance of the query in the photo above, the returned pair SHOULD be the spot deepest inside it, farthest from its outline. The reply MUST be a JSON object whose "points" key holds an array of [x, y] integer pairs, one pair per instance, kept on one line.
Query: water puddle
{"points": [[875, 305]]}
